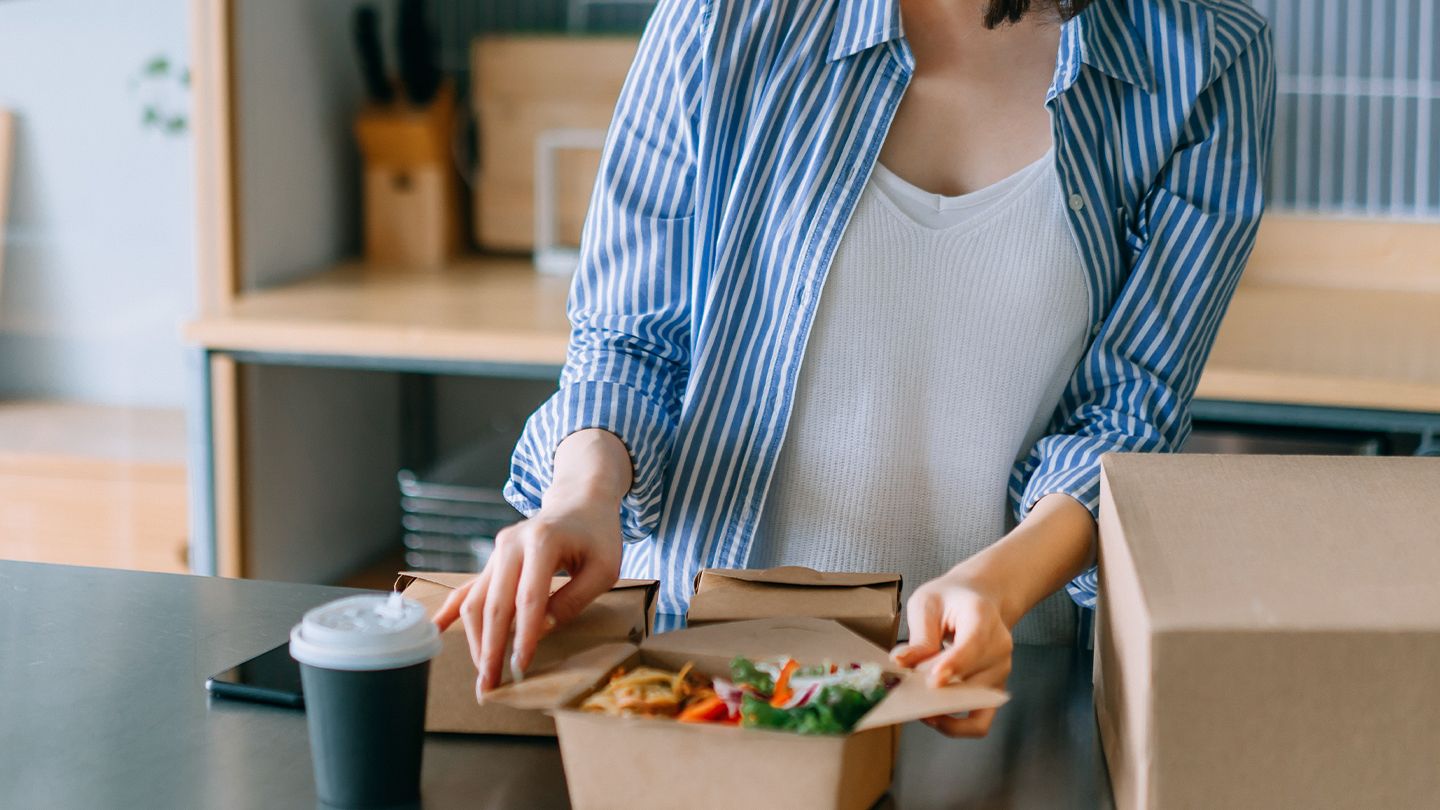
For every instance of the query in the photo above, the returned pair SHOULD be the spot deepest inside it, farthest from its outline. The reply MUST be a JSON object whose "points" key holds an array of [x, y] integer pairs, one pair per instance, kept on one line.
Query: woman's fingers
{"points": [[532, 600], [592, 579], [498, 613], [976, 723], [450, 610], [923, 614], [470, 613], [976, 650], [931, 622]]}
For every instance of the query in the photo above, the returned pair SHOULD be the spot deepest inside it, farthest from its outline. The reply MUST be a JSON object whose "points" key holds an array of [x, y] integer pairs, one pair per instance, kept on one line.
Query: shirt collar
{"points": [[1102, 36], [861, 24]]}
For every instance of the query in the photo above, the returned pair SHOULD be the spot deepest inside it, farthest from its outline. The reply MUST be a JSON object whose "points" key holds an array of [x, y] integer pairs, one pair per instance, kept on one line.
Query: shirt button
{"points": [[1077, 203], [1095, 330]]}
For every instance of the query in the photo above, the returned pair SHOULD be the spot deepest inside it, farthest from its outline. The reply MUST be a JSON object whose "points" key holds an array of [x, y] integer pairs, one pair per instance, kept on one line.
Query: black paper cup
{"points": [[366, 675], [367, 733]]}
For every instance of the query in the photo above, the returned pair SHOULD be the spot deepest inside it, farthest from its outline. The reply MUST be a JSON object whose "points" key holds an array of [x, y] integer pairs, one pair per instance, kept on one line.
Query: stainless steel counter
{"points": [[102, 705]]}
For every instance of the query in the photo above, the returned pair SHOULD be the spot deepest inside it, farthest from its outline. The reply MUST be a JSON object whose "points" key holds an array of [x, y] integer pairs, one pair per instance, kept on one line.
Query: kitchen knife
{"points": [[418, 72], [372, 61]]}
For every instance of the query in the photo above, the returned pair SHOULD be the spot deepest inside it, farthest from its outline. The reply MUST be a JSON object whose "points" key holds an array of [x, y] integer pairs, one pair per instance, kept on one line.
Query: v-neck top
{"points": [[940, 211], [946, 331]]}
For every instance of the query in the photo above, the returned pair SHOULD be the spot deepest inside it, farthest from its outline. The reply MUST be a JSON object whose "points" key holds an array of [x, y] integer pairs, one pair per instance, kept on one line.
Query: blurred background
{"points": [[280, 282]]}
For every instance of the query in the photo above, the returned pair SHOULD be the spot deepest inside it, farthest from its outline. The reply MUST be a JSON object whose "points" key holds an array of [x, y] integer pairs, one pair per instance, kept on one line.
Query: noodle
{"points": [[646, 692]]}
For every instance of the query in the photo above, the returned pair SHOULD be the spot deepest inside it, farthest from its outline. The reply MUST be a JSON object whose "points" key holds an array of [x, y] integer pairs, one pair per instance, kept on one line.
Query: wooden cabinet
{"points": [[91, 485]]}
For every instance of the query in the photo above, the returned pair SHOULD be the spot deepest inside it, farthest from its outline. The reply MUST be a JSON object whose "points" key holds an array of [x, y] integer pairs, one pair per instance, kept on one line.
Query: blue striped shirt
{"points": [[741, 142]]}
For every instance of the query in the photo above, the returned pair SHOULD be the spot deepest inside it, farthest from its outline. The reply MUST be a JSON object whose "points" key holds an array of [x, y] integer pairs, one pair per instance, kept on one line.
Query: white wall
{"points": [[98, 272]]}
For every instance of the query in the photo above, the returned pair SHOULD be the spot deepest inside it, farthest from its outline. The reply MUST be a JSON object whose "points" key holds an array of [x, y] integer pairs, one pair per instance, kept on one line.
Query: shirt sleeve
{"points": [[629, 308], [1197, 225]]}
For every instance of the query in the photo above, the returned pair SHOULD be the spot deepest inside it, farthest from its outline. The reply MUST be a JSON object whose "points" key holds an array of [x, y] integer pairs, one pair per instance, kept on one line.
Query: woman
{"points": [[1027, 222]]}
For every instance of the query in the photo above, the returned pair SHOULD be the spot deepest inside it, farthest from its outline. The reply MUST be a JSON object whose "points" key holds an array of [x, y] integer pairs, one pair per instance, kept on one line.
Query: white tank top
{"points": [[946, 332]]}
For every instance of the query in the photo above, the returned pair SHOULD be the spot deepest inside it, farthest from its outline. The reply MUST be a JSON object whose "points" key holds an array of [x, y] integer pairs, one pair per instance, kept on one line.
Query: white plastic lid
{"points": [[361, 633]]}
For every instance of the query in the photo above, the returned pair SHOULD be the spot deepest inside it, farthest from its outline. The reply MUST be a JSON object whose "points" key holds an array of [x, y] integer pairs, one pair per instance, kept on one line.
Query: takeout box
{"points": [[1269, 631], [622, 615], [638, 763], [869, 604]]}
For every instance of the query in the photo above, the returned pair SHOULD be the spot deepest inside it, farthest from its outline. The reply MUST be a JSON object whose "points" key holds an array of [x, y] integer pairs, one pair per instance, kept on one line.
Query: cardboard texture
{"points": [[622, 615], [869, 604], [1268, 633], [639, 763]]}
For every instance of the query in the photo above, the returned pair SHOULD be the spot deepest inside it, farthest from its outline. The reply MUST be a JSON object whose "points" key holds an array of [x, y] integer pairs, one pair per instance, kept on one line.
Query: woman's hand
{"points": [[976, 604], [957, 609], [577, 530]]}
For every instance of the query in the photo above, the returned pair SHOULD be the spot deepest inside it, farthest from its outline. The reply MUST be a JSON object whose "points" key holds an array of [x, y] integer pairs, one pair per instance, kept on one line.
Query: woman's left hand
{"points": [[954, 608]]}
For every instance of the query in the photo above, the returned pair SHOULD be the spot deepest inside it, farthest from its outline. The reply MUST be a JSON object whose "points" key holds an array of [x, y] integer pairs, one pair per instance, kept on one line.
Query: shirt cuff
{"points": [[644, 427], [1082, 483], [1084, 588]]}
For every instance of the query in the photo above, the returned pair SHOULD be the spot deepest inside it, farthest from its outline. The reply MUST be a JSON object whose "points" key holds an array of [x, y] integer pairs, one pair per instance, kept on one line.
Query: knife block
{"points": [[410, 199]]}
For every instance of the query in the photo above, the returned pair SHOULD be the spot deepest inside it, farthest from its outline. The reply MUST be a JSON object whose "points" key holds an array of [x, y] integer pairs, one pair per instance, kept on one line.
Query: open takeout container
{"points": [[623, 615], [638, 763], [868, 604]]}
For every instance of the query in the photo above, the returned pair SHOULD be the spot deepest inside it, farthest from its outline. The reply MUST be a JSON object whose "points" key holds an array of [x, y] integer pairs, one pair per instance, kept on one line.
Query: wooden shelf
{"points": [[1278, 344], [1334, 347], [477, 310]]}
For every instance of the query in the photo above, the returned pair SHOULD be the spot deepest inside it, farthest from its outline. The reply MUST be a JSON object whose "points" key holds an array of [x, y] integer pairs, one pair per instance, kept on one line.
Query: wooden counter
{"points": [[1330, 347]]}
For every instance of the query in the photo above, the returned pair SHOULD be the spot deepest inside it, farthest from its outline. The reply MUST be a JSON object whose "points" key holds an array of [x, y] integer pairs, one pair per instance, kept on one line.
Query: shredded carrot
{"points": [[703, 711], [782, 684]]}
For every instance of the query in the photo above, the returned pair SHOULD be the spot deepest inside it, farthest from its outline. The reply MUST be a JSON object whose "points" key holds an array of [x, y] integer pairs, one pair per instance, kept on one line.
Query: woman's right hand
{"points": [[577, 530]]}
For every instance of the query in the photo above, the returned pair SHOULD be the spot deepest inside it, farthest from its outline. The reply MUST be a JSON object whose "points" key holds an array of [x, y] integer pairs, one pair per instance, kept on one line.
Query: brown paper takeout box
{"points": [[640, 763], [1268, 631], [869, 604], [622, 615]]}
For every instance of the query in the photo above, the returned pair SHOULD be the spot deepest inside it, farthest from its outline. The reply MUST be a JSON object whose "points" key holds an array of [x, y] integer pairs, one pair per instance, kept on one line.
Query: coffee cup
{"points": [[365, 668]]}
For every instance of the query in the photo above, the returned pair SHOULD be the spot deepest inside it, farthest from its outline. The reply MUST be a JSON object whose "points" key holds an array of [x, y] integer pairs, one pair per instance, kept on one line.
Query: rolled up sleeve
{"points": [[629, 308], [1132, 390]]}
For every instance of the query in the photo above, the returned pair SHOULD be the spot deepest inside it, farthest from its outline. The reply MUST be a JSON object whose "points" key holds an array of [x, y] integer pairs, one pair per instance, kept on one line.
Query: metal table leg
{"points": [[200, 466]]}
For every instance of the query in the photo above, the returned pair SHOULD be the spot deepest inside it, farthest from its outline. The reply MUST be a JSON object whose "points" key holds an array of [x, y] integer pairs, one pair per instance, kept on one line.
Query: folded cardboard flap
{"points": [[806, 639], [621, 615], [711, 647], [914, 699], [866, 603], [795, 575], [563, 682], [611, 617], [450, 581]]}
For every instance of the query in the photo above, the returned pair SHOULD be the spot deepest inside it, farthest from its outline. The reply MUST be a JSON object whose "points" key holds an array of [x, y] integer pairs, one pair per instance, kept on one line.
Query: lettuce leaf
{"points": [[835, 710], [743, 672]]}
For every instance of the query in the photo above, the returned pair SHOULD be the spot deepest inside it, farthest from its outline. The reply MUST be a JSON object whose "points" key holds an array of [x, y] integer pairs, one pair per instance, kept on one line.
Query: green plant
{"points": [[163, 88]]}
